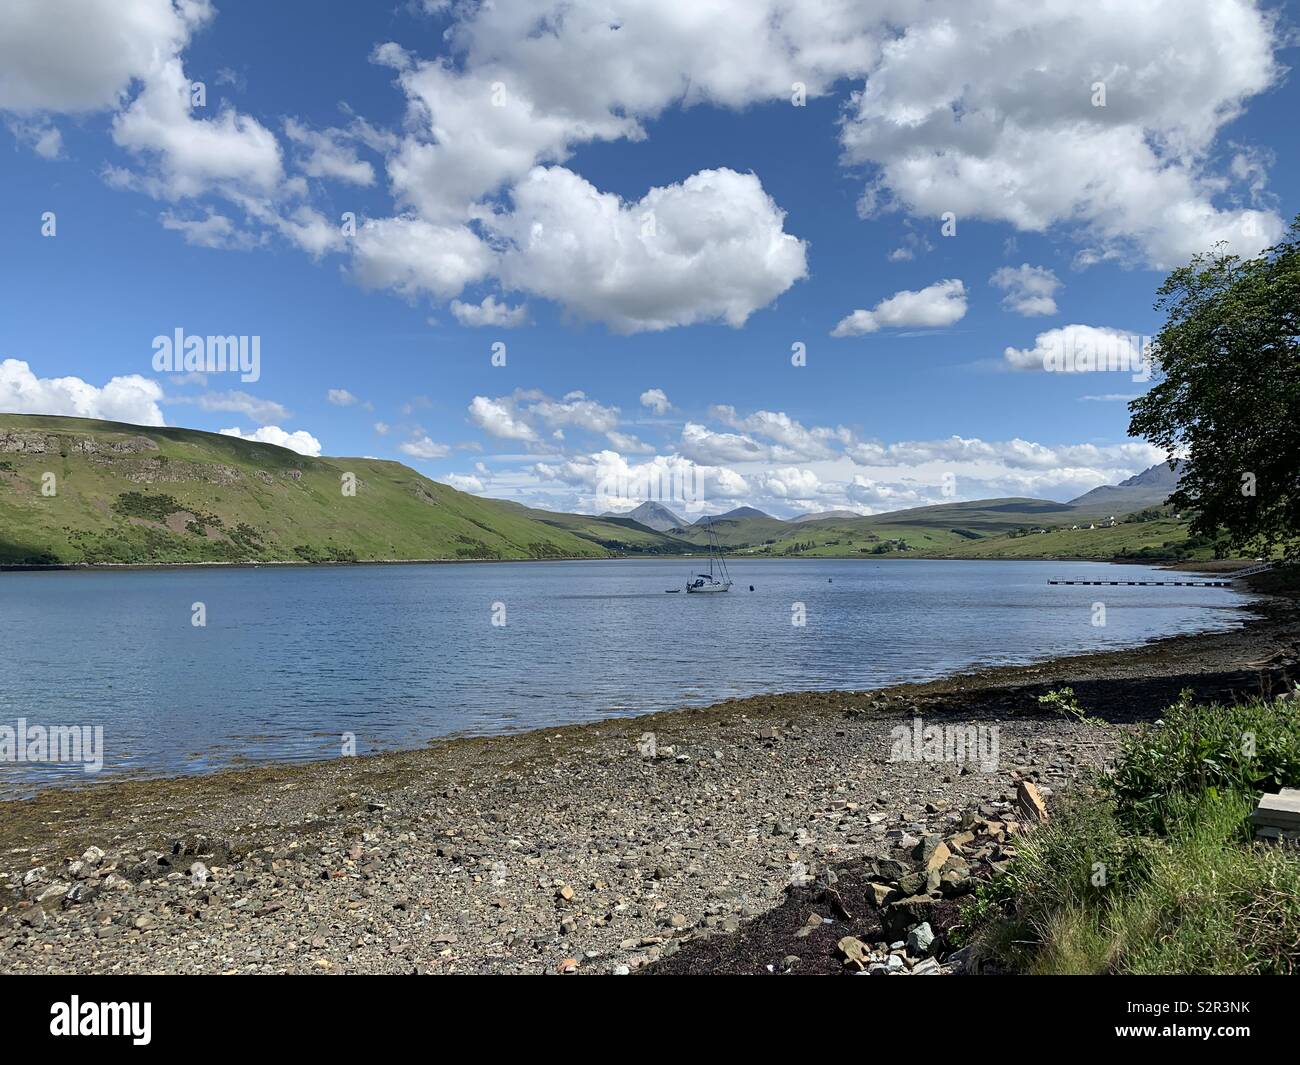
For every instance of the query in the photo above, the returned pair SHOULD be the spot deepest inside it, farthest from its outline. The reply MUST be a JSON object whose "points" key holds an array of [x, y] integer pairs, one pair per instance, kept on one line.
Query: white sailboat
{"points": [[718, 579]]}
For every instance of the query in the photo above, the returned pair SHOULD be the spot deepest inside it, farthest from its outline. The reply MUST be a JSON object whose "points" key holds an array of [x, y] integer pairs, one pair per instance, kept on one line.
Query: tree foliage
{"points": [[1227, 397]]}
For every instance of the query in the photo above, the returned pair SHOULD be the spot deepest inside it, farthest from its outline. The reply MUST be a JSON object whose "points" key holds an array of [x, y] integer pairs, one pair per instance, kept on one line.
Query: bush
{"points": [[1247, 747]]}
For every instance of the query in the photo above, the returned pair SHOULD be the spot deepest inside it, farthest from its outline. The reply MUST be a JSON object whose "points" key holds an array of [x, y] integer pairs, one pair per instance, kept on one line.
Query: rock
{"points": [[854, 951], [120, 884], [54, 893], [569, 965], [919, 940], [565, 894], [199, 873], [879, 894], [926, 967], [34, 876], [145, 922], [92, 856], [811, 925], [1030, 801], [878, 968], [32, 917], [899, 917], [895, 964]]}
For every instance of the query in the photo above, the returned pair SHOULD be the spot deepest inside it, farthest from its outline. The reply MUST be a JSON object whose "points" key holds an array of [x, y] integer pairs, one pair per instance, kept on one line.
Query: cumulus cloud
{"points": [[231, 152], [464, 482], [75, 56], [1080, 348], [935, 306], [490, 311], [711, 248], [131, 398], [417, 258], [500, 418], [1029, 290], [300, 441], [341, 397], [424, 448], [656, 399], [998, 115]]}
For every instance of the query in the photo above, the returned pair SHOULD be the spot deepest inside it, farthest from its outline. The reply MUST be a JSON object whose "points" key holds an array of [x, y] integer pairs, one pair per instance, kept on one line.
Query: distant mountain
{"points": [[652, 515], [1150, 488], [826, 514], [735, 515]]}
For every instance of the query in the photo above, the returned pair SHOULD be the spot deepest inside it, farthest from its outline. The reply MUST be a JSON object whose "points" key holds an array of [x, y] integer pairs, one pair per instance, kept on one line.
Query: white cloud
{"points": [[415, 257], [75, 56], [1030, 290], [262, 411], [796, 442], [300, 441], [1078, 348], [989, 114], [701, 444], [213, 230], [500, 418], [231, 152], [710, 248], [382, 428], [490, 312], [656, 399], [627, 443], [935, 306], [341, 397], [328, 154], [131, 398], [424, 448], [464, 482], [42, 136]]}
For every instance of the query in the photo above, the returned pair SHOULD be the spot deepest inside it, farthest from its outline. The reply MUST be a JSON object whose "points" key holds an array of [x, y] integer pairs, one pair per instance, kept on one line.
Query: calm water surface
{"points": [[291, 658]]}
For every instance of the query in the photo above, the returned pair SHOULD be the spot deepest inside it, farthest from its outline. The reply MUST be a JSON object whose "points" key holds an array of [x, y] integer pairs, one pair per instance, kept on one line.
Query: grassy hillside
{"points": [[127, 493], [130, 494]]}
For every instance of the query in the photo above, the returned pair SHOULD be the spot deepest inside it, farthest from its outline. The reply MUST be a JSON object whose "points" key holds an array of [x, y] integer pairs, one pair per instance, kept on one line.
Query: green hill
{"points": [[132, 494]]}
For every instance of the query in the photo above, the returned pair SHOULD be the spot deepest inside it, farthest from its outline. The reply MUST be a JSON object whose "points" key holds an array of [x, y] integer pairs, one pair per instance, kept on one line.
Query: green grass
{"points": [[203, 497], [1156, 871]]}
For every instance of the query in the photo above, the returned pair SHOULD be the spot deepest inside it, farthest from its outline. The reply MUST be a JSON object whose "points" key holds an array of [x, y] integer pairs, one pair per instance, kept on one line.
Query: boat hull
{"points": [[709, 589]]}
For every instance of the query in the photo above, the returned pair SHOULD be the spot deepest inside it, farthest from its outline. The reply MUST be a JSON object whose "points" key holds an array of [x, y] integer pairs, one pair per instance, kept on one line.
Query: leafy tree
{"points": [[1227, 397]]}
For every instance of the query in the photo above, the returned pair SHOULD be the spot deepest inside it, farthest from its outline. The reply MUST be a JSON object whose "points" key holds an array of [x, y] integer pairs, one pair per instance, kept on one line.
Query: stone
{"points": [[811, 925], [92, 856], [919, 940], [899, 917], [199, 873], [854, 951], [145, 922], [34, 876], [565, 893], [54, 893], [1030, 801], [879, 894], [926, 967], [895, 964]]}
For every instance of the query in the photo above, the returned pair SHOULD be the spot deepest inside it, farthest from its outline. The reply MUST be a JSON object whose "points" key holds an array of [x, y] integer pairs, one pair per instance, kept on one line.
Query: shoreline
{"points": [[529, 851], [1205, 565]]}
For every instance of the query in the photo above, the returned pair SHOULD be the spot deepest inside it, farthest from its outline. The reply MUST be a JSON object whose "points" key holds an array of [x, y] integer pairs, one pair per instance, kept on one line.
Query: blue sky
{"points": [[628, 198]]}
